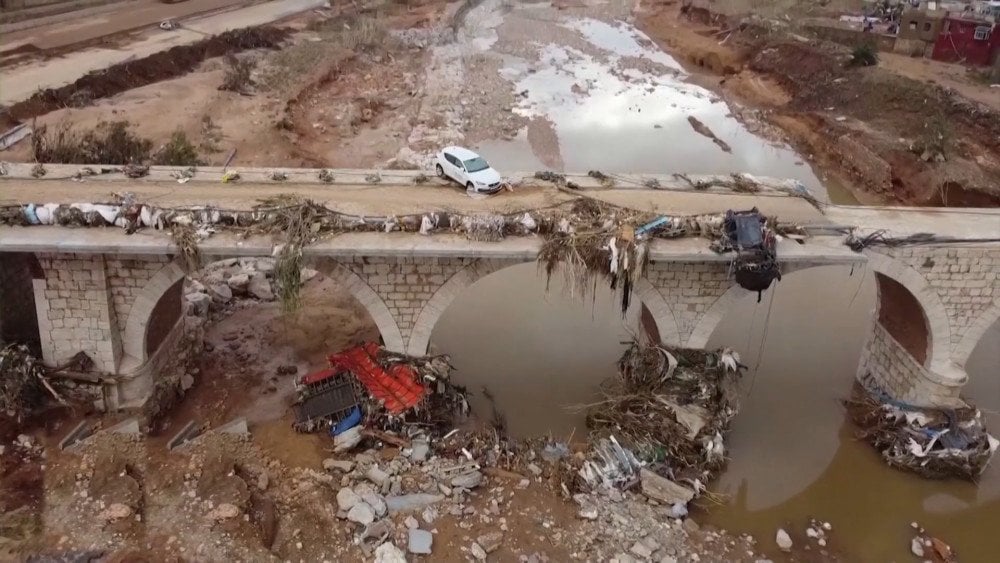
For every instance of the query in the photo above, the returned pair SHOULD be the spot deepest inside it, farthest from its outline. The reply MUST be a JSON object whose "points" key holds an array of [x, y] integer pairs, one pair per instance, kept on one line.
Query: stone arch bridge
{"points": [[119, 297]]}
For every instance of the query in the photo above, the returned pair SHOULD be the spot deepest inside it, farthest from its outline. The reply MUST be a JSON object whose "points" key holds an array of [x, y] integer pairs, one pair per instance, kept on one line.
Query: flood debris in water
{"points": [[703, 129], [937, 443], [661, 423]]}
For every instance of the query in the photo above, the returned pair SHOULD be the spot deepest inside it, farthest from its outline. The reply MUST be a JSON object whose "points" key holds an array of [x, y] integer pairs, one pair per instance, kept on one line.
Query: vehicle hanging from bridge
{"points": [[756, 263]]}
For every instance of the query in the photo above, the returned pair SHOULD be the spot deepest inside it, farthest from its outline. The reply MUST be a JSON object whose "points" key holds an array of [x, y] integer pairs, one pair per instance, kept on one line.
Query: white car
{"points": [[469, 169]]}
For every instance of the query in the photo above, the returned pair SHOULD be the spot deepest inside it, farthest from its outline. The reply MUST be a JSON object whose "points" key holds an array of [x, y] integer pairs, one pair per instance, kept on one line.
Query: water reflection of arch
{"points": [[431, 312], [931, 308]]}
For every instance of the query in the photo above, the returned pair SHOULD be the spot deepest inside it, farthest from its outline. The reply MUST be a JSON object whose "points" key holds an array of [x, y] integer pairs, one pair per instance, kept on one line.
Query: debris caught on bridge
{"points": [[667, 412], [588, 237], [936, 443], [379, 392]]}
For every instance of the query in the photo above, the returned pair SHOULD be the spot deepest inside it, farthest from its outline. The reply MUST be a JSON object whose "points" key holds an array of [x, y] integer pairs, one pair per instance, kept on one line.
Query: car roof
{"points": [[461, 153]]}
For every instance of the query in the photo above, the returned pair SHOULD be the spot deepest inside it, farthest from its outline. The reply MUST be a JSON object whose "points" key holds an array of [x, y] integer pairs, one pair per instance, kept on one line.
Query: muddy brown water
{"points": [[792, 449]]}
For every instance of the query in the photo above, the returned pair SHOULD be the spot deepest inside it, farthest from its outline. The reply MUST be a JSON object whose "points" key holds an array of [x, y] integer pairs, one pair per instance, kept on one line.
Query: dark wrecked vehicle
{"points": [[756, 263]]}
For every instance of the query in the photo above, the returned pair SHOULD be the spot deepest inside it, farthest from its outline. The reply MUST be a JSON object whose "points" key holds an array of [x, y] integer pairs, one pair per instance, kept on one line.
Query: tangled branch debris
{"points": [[934, 443], [590, 238], [669, 409], [21, 375]]}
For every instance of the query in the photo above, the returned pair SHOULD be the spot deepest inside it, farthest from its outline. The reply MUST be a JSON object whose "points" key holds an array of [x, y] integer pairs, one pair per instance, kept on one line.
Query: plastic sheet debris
{"points": [[932, 442]]}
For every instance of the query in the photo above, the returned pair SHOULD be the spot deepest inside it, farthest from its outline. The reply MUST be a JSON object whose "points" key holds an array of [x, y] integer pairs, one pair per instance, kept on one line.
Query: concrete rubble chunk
{"points": [[411, 522], [469, 480], [477, 551], [220, 293], [588, 513], [361, 513], [641, 550], [663, 489], [783, 540], [490, 542], [389, 553], [130, 426], [238, 283], [116, 511], [411, 502], [342, 465], [187, 382], [917, 547], [260, 288], [377, 476], [237, 426], [420, 542], [377, 503], [347, 498], [264, 265], [79, 432], [198, 304], [224, 511], [419, 450]]}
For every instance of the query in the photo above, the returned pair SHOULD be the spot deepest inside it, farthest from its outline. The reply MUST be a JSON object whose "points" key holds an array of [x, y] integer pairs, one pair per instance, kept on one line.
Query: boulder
{"points": [[490, 542], [224, 511], [783, 540], [377, 476], [361, 513], [469, 480], [264, 265], [662, 489], [420, 542], [220, 293], [307, 274], [238, 283], [198, 304], [411, 502], [477, 551], [116, 511], [260, 288], [389, 553], [377, 503], [347, 498], [187, 381], [342, 465]]}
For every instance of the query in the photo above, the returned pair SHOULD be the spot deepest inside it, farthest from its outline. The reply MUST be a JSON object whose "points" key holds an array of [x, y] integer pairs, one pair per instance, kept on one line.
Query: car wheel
{"points": [[470, 187], [440, 171]]}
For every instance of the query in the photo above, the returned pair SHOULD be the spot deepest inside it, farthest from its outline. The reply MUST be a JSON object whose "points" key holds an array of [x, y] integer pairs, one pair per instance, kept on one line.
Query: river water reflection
{"points": [[793, 453]]}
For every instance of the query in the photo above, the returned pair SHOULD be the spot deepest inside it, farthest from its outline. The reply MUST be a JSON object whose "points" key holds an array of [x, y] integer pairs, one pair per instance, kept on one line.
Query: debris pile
{"points": [[21, 377], [661, 422], [369, 391], [933, 442]]}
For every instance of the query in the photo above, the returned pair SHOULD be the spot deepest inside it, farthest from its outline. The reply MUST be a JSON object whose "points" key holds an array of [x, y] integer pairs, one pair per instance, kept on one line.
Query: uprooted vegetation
{"points": [[110, 142], [237, 76], [147, 70]]}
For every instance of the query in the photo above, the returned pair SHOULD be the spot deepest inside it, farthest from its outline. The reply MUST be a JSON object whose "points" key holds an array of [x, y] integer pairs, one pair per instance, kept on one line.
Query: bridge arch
{"points": [[140, 317], [431, 312], [932, 309], [974, 333]]}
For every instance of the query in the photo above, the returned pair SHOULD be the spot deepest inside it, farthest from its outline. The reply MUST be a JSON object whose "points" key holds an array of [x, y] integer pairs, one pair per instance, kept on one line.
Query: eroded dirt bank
{"points": [[896, 140]]}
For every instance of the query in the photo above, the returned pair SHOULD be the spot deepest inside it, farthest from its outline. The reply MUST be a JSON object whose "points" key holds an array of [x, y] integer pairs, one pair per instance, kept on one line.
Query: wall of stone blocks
{"points": [[127, 276], [405, 284], [965, 278], [689, 288], [74, 308], [892, 369]]}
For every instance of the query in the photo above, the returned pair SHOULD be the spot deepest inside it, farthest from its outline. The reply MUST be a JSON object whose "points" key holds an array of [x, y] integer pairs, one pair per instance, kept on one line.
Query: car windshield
{"points": [[476, 164]]}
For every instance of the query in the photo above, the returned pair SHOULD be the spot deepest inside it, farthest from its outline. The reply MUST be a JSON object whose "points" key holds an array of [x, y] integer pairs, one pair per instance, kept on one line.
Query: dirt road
{"points": [[141, 14], [22, 81]]}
